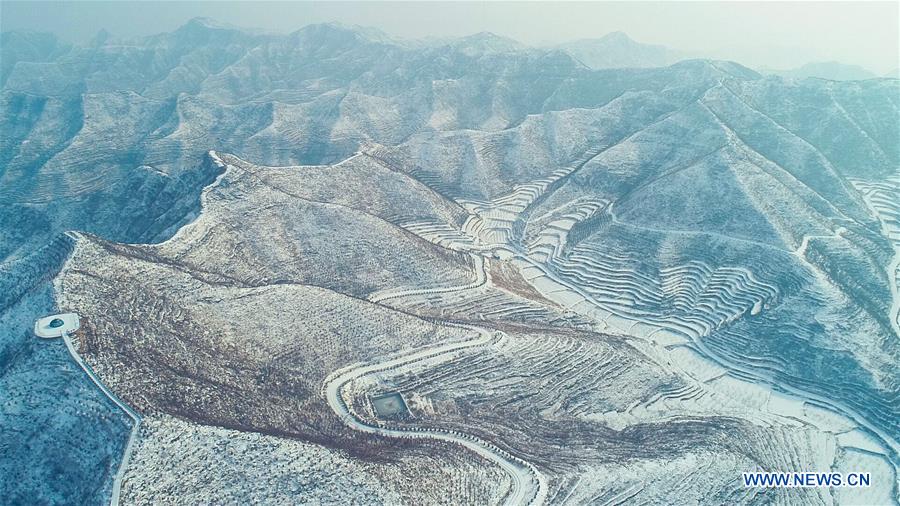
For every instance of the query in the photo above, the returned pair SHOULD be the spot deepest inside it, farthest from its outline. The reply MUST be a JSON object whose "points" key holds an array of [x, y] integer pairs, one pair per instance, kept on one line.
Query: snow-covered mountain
{"points": [[581, 279], [618, 50], [833, 71]]}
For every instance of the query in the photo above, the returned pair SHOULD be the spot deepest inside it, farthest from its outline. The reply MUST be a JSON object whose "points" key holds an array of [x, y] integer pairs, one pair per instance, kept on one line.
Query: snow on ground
{"points": [[178, 462]]}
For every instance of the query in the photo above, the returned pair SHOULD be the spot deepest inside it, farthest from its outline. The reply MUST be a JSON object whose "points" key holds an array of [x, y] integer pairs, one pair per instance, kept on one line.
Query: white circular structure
{"points": [[56, 325]]}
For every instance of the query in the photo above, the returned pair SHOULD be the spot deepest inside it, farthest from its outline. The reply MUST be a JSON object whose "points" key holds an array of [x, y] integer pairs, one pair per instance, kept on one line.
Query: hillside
{"points": [[554, 264]]}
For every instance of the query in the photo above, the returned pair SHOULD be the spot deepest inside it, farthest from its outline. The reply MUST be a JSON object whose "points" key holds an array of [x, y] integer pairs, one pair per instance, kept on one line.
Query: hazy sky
{"points": [[770, 34]]}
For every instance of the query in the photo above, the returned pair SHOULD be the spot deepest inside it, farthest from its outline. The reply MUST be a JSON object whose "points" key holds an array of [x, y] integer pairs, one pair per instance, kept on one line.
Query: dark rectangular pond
{"points": [[390, 405]]}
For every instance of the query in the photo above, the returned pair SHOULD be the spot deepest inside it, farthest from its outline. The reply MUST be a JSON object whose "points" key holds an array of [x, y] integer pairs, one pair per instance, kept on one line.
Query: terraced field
{"points": [[883, 199], [590, 360], [660, 287], [592, 406]]}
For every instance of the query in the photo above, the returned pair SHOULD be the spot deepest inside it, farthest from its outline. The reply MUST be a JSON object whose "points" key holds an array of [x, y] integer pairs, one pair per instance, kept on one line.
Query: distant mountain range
{"points": [[825, 70], [618, 50]]}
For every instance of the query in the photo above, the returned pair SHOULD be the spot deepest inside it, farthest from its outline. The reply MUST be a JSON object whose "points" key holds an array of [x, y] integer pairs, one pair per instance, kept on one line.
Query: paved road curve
{"points": [[480, 280], [136, 418], [528, 485]]}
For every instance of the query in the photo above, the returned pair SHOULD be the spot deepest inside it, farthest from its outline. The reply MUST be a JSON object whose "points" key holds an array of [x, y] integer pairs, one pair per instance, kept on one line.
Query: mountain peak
{"points": [[485, 35], [200, 25], [486, 42], [617, 37], [201, 30], [203, 22], [339, 31], [618, 50]]}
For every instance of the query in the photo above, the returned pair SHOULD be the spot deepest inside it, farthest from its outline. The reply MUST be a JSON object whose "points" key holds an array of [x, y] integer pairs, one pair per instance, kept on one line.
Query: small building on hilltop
{"points": [[56, 325]]}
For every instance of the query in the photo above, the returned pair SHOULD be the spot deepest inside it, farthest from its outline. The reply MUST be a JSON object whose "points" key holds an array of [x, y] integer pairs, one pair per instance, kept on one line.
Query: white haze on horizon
{"points": [[778, 35]]}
